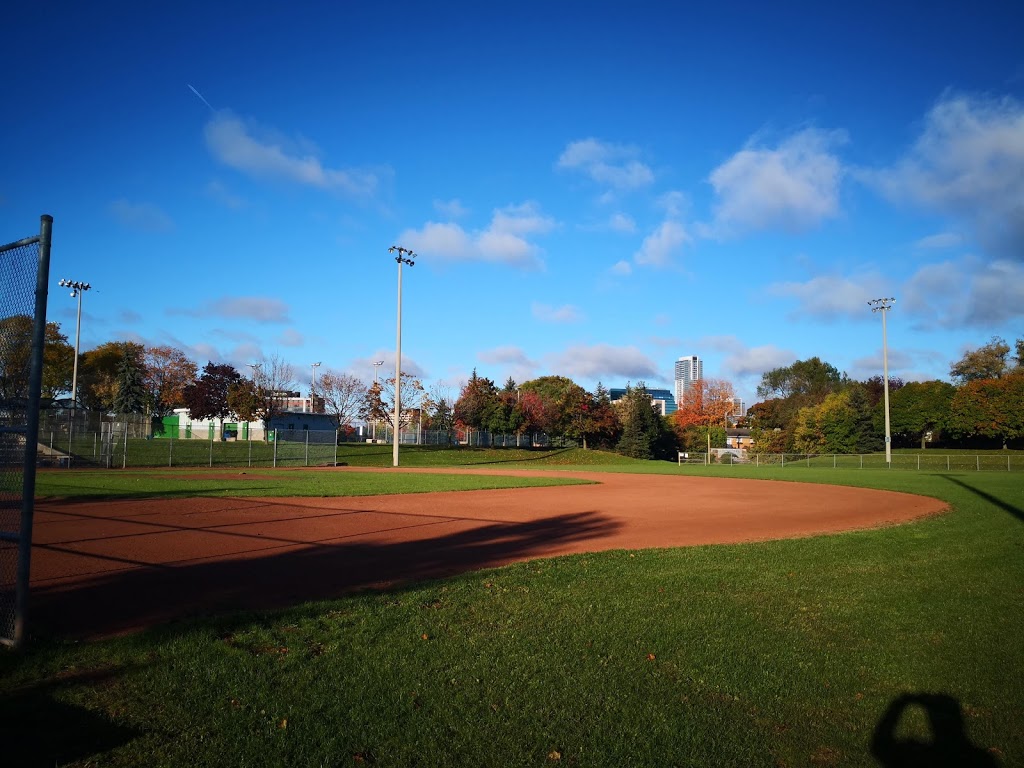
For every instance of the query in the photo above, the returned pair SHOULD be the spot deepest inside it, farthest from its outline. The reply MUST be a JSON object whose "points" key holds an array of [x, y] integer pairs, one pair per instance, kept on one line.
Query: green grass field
{"points": [[787, 653]]}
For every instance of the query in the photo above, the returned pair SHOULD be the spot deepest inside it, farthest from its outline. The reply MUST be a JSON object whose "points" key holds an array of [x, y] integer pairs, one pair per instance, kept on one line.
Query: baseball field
{"points": [[506, 608]]}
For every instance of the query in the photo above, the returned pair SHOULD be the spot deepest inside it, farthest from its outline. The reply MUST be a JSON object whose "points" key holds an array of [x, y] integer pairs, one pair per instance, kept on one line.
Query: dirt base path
{"points": [[102, 568]]}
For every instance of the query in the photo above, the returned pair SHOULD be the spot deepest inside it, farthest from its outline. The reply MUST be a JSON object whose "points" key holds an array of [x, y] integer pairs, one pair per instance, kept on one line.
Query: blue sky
{"points": [[593, 189]]}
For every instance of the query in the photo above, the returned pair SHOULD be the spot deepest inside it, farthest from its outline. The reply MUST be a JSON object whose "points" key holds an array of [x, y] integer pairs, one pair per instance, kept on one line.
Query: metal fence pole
{"points": [[211, 448], [275, 451], [307, 447], [170, 452], [248, 433], [124, 456], [28, 479]]}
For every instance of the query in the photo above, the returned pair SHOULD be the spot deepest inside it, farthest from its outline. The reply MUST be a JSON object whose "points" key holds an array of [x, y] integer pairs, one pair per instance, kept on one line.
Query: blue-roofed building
{"points": [[662, 398]]}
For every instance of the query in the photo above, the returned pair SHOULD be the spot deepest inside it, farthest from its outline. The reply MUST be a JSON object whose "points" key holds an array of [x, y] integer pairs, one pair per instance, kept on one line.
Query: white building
{"points": [[688, 370]]}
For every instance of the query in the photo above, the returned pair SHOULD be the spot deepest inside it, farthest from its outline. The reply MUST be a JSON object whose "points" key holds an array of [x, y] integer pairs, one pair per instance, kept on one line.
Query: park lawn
{"points": [[784, 653], [265, 482]]}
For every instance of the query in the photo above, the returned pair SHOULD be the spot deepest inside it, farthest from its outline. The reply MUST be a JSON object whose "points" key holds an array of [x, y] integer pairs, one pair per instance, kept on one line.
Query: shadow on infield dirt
{"points": [[145, 595]]}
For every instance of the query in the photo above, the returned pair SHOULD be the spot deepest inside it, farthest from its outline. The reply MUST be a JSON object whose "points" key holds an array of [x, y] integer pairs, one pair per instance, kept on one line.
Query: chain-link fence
{"points": [[24, 273], [918, 462]]}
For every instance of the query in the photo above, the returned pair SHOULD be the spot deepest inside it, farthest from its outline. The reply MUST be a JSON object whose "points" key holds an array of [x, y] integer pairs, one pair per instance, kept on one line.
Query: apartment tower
{"points": [[688, 370]]}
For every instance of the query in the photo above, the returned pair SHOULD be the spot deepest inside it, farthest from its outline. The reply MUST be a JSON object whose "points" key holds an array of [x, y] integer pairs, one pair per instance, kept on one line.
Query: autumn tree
{"points": [[98, 372], [989, 408], [708, 403], [16, 354], [986, 362], [167, 371], [379, 403], [562, 399], [841, 423], [919, 408], [602, 427], [477, 402], [343, 396], [812, 379], [207, 396]]}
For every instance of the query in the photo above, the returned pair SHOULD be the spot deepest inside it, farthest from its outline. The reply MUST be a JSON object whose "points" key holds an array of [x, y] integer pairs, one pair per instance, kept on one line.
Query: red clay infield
{"points": [[102, 568]]}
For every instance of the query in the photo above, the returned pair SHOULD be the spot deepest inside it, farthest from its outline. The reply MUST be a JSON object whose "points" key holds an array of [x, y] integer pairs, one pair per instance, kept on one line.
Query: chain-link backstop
{"points": [[24, 273]]}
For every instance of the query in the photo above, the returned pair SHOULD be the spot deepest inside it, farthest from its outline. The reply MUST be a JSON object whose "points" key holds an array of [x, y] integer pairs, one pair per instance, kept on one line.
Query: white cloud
{"points": [[792, 187], [743, 362], [225, 197], [387, 370], [511, 361], [939, 241], [968, 163], [452, 209], [503, 242], [610, 165], [548, 314], [621, 222], [829, 297], [603, 360], [954, 294], [621, 268], [144, 217], [256, 308], [291, 338], [872, 365], [659, 247], [248, 148]]}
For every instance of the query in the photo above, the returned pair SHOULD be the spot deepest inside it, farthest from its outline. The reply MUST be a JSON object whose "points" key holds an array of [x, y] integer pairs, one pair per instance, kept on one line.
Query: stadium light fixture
{"points": [[883, 306], [404, 256], [77, 289]]}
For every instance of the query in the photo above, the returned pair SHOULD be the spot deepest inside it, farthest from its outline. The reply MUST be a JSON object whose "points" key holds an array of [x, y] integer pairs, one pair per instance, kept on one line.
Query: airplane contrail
{"points": [[197, 93]]}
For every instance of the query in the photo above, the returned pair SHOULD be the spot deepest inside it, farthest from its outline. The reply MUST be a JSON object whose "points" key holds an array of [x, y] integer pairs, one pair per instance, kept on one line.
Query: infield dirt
{"points": [[108, 567]]}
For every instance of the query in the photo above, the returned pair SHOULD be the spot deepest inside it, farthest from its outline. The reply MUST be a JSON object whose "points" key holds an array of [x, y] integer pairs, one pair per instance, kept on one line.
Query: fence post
{"points": [[249, 433], [307, 447], [124, 456], [170, 452], [275, 450], [977, 460], [919, 462]]}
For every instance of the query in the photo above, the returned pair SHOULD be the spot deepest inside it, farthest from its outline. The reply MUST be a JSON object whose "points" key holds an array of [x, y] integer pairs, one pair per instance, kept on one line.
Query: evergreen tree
{"points": [[130, 396]]}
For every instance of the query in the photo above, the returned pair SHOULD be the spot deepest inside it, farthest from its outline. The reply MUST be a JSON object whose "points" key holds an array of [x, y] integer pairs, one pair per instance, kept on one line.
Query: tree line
{"points": [[806, 407]]}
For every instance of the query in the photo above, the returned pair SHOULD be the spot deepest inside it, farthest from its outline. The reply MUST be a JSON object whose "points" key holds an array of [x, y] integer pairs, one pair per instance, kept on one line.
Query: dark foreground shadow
{"points": [[1015, 511], [139, 597], [949, 746], [41, 731]]}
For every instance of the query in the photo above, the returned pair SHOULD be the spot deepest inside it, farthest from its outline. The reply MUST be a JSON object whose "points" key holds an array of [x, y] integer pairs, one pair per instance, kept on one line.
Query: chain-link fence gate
{"points": [[24, 273]]}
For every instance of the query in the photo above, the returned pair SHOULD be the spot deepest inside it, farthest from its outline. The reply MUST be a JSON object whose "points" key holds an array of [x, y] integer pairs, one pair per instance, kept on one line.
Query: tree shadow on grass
{"points": [[1006, 507], [144, 595]]}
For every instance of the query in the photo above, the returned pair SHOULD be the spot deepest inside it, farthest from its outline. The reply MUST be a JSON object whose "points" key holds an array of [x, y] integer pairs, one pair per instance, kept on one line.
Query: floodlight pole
{"points": [[77, 289], [405, 256], [312, 388], [883, 306], [376, 368]]}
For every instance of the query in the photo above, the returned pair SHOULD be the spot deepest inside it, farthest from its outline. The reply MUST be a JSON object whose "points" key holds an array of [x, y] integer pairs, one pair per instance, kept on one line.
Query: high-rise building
{"points": [[688, 370]]}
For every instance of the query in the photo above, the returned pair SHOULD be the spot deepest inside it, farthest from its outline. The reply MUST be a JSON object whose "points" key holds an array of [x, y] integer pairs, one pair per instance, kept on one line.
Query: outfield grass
{"points": [[264, 482], [785, 653]]}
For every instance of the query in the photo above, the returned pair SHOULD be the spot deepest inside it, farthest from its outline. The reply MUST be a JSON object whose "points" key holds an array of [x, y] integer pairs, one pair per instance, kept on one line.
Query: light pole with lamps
{"points": [[405, 256], [376, 368], [259, 389], [312, 388], [883, 306], [77, 289]]}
